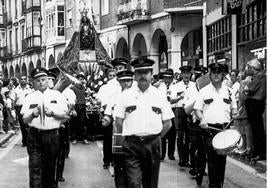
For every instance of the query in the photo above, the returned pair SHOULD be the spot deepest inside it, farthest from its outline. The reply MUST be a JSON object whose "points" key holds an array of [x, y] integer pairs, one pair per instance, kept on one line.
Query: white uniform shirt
{"points": [[163, 88], [214, 104], [107, 91], [21, 93], [143, 112], [172, 93], [179, 88], [51, 99], [112, 103], [190, 96], [70, 96]]}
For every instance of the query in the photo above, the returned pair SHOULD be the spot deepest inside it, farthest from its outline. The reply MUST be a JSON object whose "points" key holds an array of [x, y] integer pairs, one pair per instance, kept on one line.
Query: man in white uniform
{"points": [[213, 107], [43, 110], [144, 114], [21, 91]]}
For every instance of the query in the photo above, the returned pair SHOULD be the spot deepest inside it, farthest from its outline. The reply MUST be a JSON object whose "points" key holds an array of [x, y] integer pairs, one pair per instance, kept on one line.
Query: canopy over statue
{"points": [[82, 42], [85, 53]]}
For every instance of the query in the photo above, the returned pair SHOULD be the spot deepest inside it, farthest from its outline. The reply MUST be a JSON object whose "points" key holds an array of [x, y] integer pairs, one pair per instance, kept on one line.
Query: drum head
{"points": [[226, 139]]}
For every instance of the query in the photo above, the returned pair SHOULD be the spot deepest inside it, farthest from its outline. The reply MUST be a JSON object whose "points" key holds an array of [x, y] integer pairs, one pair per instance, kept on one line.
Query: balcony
{"points": [[183, 6], [133, 12], [31, 44]]}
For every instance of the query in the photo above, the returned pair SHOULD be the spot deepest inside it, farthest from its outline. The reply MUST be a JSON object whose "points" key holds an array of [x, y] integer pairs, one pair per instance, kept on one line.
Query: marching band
{"points": [[137, 118]]}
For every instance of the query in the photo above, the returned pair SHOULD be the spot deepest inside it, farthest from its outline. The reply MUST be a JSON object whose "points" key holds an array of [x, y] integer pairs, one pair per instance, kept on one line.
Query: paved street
{"points": [[84, 170]]}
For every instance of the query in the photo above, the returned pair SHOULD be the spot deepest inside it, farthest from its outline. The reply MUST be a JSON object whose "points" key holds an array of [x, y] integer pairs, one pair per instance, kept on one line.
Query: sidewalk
{"points": [[258, 168], [4, 138]]}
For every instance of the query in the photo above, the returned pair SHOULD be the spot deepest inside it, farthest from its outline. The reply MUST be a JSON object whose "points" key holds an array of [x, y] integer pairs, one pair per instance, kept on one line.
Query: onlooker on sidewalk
{"points": [[241, 122], [255, 106], [10, 112], [235, 82]]}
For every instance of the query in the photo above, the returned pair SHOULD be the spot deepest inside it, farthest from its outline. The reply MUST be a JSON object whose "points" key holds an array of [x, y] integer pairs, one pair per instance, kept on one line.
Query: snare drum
{"points": [[227, 141]]}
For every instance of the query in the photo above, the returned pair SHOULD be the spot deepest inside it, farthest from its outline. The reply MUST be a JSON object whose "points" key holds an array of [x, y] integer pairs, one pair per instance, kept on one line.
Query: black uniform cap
{"points": [[142, 64], [39, 72], [199, 69], [168, 73], [186, 68], [125, 75], [216, 67], [120, 61], [53, 73]]}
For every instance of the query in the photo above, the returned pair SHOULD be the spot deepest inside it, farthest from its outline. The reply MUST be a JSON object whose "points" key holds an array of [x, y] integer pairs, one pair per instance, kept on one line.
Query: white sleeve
{"points": [[167, 112], [199, 103], [119, 110]]}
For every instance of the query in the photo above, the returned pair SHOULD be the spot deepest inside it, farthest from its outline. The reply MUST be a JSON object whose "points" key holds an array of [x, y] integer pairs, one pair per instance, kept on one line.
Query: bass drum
{"points": [[227, 141]]}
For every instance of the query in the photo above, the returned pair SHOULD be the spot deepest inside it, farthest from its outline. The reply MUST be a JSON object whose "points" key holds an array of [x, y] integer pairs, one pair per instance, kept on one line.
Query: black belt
{"points": [[147, 137], [43, 130]]}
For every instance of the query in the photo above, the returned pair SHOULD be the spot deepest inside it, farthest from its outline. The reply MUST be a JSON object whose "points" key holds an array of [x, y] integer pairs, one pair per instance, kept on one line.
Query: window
{"points": [[29, 3], [36, 2], [36, 23], [29, 25], [22, 32], [2, 38], [219, 35], [60, 20], [50, 22], [104, 7], [10, 41], [16, 40], [23, 7], [252, 24], [16, 9]]}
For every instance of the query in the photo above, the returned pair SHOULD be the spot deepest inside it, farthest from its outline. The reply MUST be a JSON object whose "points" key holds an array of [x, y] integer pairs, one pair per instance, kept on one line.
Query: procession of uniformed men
{"points": [[140, 117]]}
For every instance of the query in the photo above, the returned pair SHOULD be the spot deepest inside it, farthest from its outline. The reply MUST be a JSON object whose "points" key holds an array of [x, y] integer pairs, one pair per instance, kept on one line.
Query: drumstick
{"points": [[228, 124], [214, 128]]}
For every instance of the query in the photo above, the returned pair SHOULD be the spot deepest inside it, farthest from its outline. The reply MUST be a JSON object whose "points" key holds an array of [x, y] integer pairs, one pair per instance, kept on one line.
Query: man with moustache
{"points": [[213, 107], [144, 115], [21, 91], [43, 110]]}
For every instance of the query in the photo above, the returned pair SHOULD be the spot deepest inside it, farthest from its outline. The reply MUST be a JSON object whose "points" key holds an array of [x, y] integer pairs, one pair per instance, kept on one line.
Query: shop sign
{"points": [[232, 6], [260, 53]]}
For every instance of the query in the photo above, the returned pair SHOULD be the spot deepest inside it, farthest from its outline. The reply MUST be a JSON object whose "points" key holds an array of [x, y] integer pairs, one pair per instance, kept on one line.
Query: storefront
{"points": [[219, 41], [251, 33]]}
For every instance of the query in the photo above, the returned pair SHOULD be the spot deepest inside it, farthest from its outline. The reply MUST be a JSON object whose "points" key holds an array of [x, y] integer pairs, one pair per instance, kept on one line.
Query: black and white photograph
{"points": [[133, 93]]}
